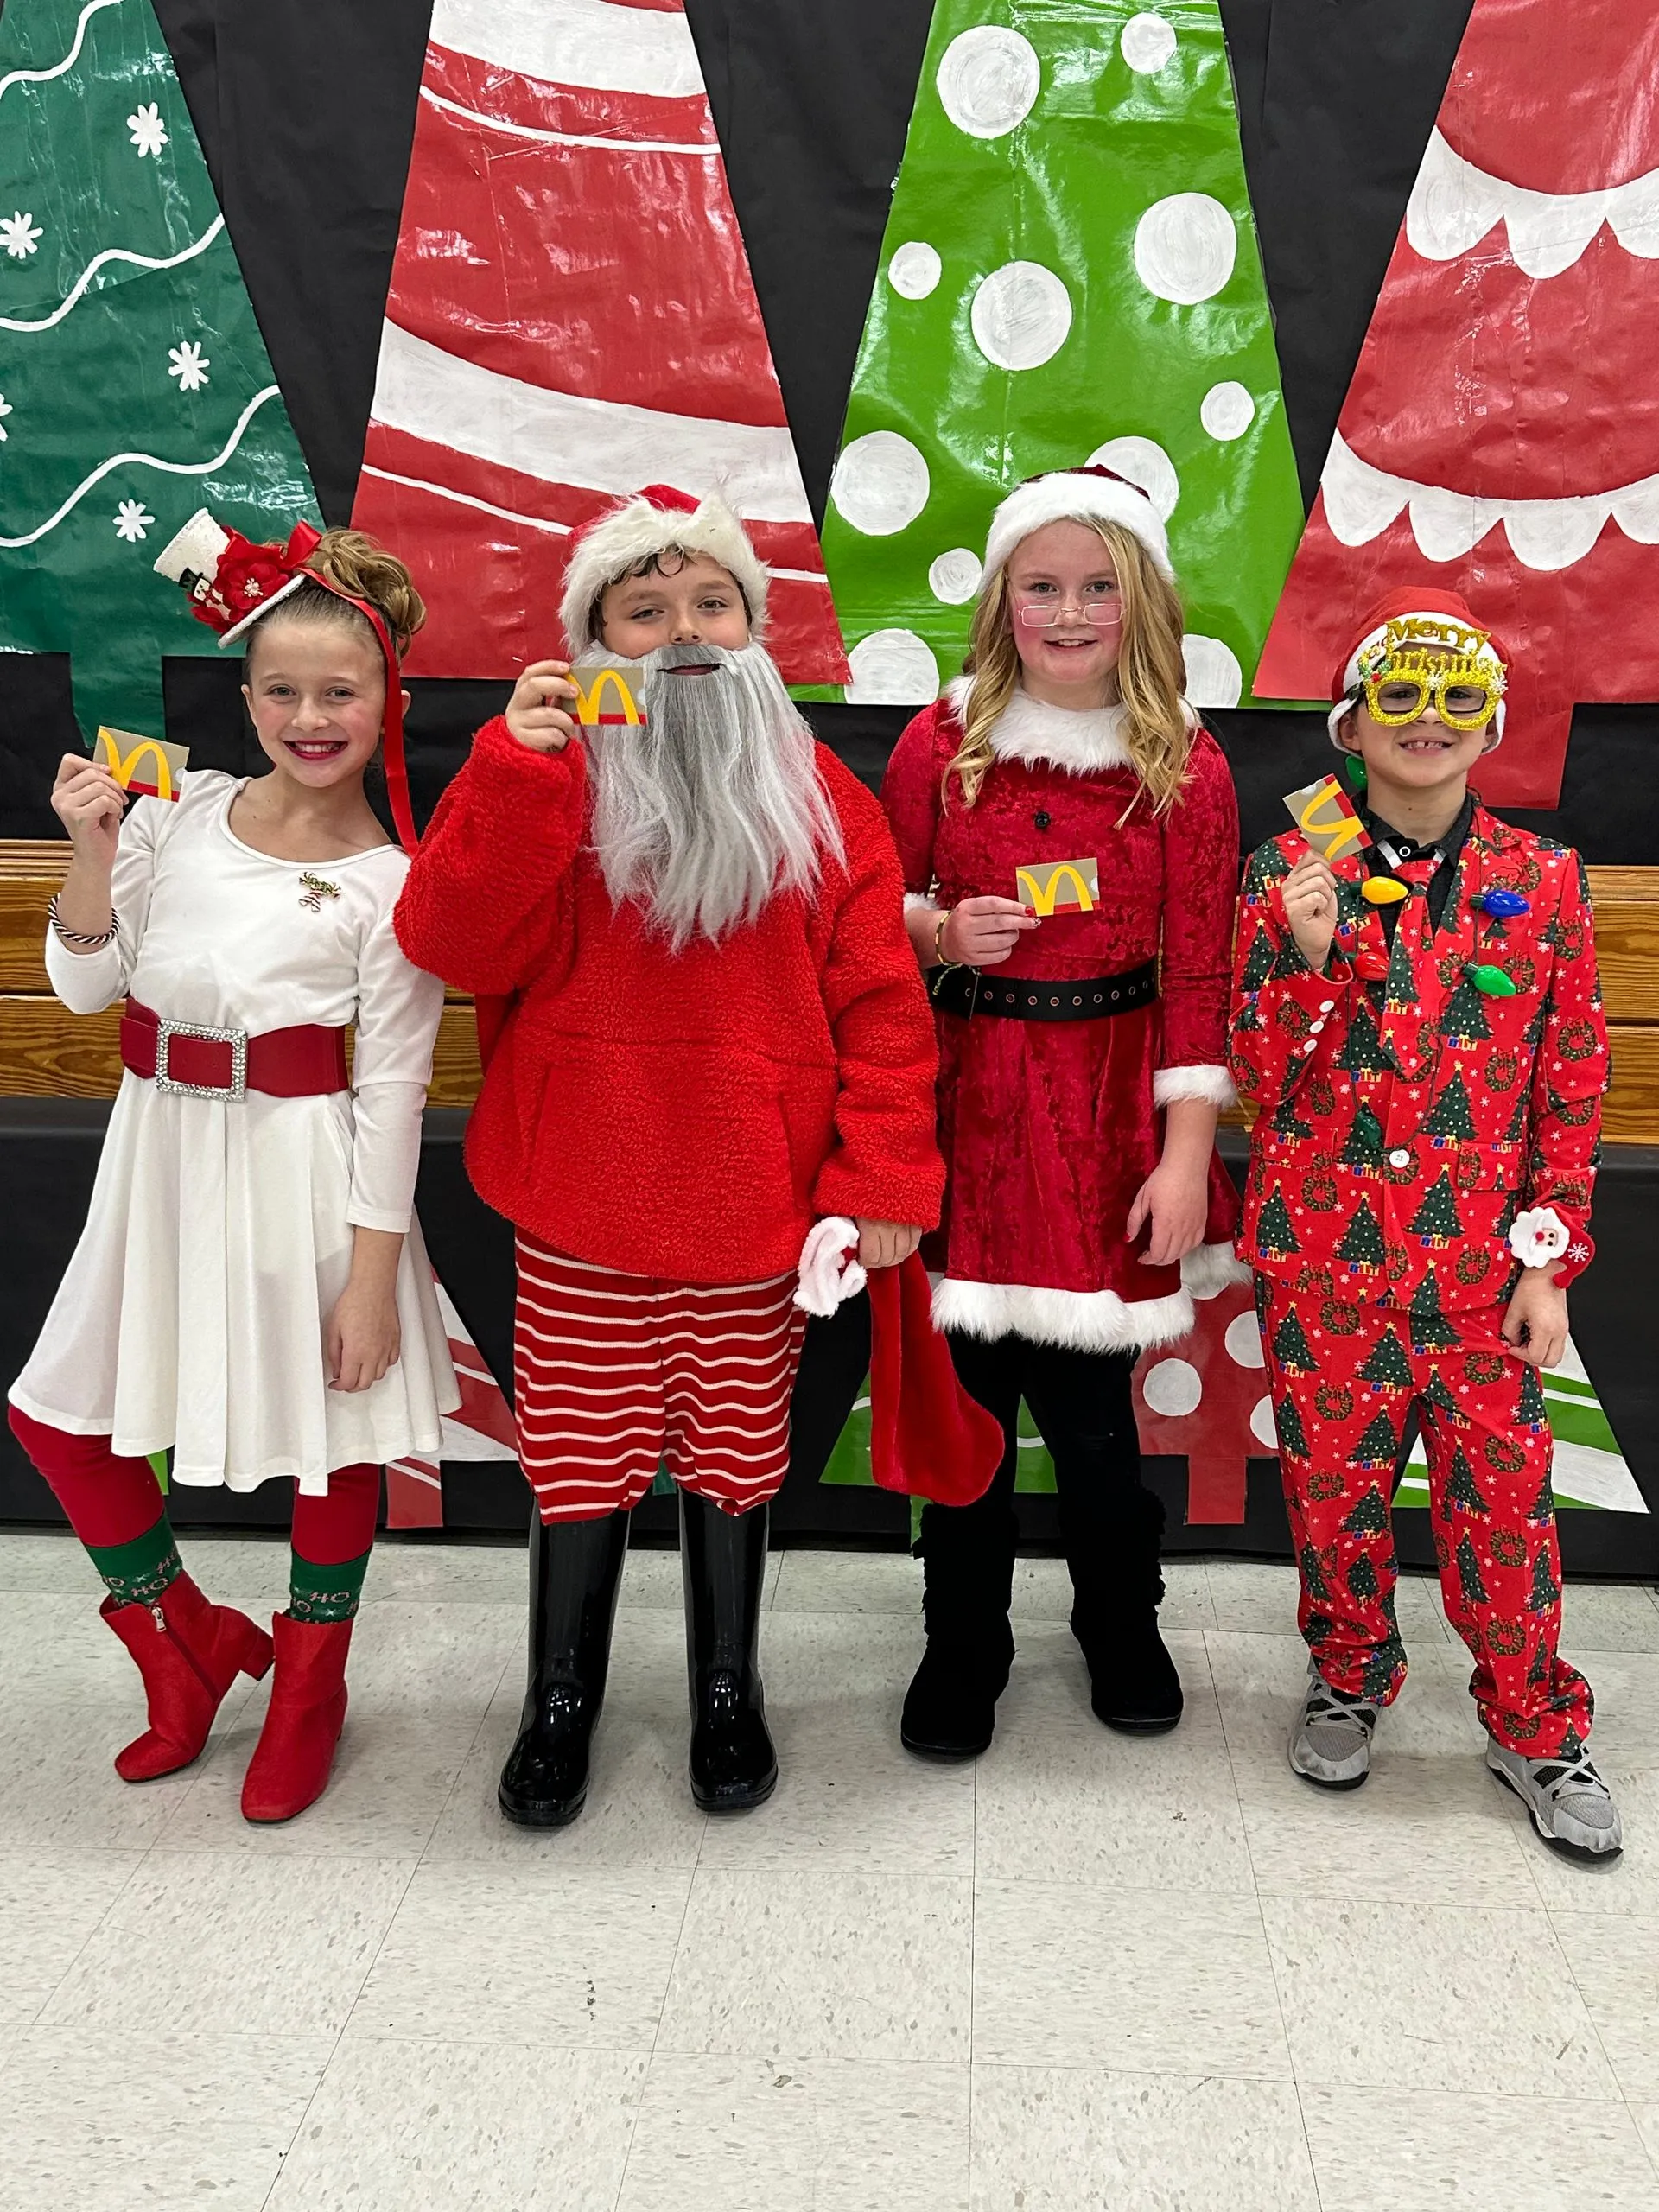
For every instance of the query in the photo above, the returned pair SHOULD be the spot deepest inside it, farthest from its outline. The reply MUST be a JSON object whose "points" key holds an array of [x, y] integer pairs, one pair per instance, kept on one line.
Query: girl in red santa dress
{"points": [[1070, 839], [250, 1290]]}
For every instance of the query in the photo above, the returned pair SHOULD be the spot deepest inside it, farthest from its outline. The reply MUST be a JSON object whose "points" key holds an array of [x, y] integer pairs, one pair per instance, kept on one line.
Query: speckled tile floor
{"points": [[1087, 1973]]}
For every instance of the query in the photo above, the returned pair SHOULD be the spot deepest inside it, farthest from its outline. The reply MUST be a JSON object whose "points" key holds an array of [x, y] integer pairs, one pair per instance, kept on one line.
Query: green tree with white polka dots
{"points": [[1069, 273]]}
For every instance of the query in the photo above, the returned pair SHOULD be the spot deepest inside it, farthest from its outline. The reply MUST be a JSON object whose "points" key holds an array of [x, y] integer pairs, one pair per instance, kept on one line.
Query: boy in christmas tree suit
{"points": [[1420, 1027]]}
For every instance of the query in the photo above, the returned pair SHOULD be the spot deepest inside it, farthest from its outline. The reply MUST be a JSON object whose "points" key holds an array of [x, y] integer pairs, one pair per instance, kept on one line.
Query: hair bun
{"points": [[360, 566]]}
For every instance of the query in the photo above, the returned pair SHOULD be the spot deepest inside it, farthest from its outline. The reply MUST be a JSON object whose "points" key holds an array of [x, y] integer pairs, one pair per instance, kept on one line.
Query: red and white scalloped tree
{"points": [[1501, 434]]}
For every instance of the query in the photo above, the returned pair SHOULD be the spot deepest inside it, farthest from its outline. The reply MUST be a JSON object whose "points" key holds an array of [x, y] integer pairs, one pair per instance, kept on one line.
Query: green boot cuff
{"points": [[136, 1573], [324, 1593]]}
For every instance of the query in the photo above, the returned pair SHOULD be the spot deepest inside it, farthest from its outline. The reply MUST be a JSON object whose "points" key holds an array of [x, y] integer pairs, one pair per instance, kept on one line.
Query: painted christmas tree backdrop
{"points": [[1501, 435], [134, 384], [571, 316], [1069, 273]]}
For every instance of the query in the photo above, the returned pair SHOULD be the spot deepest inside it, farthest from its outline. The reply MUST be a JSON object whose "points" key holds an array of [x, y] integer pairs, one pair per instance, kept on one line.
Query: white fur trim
{"points": [[1079, 740], [633, 530], [1209, 1270], [826, 1274], [919, 899], [1087, 1320], [1212, 1083], [1068, 496]]}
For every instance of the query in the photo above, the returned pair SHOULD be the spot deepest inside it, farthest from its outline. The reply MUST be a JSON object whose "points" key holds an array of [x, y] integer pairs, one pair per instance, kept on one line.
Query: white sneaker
{"points": [[1571, 1805], [1331, 1742]]}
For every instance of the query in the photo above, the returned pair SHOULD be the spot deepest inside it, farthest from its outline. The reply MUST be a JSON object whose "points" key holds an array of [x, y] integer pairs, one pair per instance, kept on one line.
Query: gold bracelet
{"points": [[938, 939]]}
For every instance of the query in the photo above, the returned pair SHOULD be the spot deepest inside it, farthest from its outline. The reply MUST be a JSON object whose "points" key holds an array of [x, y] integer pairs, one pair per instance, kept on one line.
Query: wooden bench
{"points": [[48, 1052]]}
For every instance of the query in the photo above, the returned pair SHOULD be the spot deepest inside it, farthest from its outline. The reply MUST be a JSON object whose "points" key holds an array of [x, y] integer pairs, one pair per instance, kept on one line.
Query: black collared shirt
{"points": [[1445, 851]]}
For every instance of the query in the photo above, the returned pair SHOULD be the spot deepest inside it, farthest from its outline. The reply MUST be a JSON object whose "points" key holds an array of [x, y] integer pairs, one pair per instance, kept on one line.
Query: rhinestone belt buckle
{"points": [[233, 1092]]}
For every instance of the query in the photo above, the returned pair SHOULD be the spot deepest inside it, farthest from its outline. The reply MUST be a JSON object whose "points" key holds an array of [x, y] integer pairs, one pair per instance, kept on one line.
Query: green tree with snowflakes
{"points": [[1363, 1148], [1461, 1488], [1288, 1427], [1378, 1448], [1430, 1330], [1386, 1364], [1361, 1050], [1361, 1244], [1464, 1020], [1437, 1218], [136, 387], [1451, 1117], [1274, 1233], [1370, 1517], [1291, 1348], [1470, 1580], [1069, 273]]}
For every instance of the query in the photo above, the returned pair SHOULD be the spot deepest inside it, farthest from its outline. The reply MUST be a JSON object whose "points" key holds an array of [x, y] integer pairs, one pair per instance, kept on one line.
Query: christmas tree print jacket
{"points": [[1404, 1122]]}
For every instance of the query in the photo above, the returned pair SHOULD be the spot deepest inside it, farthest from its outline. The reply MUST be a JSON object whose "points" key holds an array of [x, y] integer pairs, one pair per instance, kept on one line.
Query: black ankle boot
{"points": [[1118, 1588], [575, 1572], [723, 1563], [950, 1709]]}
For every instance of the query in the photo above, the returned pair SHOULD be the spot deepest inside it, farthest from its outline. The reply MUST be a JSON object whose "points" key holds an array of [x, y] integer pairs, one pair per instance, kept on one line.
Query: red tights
{"points": [[111, 1500]]}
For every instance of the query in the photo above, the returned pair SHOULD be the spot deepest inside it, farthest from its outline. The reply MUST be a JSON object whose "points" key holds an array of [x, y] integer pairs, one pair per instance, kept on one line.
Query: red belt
{"points": [[305, 1062]]}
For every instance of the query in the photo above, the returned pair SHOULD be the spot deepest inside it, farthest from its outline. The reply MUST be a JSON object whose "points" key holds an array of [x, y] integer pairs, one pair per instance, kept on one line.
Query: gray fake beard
{"points": [[716, 803]]}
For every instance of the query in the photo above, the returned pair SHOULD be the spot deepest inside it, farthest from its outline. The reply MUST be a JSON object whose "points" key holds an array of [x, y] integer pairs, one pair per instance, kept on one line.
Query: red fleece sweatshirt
{"points": [[687, 1115]]}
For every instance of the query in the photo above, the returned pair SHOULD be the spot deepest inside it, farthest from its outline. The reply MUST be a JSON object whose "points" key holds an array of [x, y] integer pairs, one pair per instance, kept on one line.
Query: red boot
{"points": [[291, 1761], [189, 1652]]}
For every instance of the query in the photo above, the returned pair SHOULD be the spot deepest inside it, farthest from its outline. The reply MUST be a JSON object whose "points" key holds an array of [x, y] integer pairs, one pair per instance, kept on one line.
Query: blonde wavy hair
{"points": [[352, 561], [1150, 674]]}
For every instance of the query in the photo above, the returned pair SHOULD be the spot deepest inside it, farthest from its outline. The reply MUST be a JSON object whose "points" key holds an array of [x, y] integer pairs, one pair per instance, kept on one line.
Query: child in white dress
{"points": [[251, 1289]]}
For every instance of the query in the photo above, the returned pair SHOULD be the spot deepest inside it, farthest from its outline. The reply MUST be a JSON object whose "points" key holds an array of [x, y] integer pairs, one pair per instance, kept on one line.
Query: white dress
{"points": [[219, 1234]]}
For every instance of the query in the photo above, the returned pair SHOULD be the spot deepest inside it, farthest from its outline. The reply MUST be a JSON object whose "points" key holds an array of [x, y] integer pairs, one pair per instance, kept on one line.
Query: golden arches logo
{"points": [[1059, 883], [1324, 814], [1328, 822], [168, 761], [591, 693]]}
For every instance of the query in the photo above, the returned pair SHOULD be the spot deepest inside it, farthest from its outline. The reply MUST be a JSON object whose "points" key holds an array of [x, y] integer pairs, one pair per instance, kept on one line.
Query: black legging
{"points": [[1110, 1525]]}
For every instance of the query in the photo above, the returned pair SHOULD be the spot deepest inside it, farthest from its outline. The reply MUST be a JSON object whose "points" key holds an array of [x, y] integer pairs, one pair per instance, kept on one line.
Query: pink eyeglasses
{"points": [[1100, 612]]}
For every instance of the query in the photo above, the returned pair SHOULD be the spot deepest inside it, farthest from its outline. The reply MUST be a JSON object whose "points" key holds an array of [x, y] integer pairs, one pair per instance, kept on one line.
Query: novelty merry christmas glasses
{"points": [[1418, 662]]}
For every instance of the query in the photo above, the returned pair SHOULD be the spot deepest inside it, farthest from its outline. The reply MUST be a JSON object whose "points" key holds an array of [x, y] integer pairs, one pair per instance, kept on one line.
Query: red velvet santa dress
{"points": [[1049, 1128]]}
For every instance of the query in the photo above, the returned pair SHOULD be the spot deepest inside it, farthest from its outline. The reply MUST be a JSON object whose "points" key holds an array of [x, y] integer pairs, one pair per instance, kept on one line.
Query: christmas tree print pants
{"points": [[1340, 1398]]}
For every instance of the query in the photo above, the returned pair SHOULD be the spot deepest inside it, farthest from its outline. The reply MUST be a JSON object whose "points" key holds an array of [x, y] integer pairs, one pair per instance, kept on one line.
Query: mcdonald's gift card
{"points": [[1054, 886], [1326, 817], [606, 694], [142, 765]]}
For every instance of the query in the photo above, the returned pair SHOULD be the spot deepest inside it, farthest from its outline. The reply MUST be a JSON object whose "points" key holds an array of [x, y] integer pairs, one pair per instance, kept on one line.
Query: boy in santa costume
{"points": [[1420, 1024], [716, 1036]]}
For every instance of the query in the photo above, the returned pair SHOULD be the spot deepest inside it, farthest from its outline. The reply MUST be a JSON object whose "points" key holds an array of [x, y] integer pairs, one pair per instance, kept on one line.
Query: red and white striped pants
{"points": [[616, 1374]]}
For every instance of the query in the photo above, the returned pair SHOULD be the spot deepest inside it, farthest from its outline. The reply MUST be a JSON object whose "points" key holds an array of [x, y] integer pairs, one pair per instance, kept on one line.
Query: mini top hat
{"points": [[232, 582]]}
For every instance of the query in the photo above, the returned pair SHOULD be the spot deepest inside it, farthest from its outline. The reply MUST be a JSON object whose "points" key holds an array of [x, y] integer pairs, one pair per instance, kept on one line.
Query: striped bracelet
{"points": [[84, 940]]}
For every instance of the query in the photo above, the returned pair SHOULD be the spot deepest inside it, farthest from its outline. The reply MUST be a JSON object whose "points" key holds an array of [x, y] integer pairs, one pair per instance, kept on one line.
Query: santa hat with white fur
{"points": [[1431, 613], [657, 520], [1091, 494]]}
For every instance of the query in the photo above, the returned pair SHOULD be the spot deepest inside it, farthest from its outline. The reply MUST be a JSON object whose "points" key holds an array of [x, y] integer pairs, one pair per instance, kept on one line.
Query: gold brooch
{"points": [[316, 890]]}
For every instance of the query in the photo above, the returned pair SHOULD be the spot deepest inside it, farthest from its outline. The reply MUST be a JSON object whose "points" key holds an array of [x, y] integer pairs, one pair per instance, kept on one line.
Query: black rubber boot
{"points": [[1112, 1551], [968, 1562], [723, 1562], [575, 1572]]}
